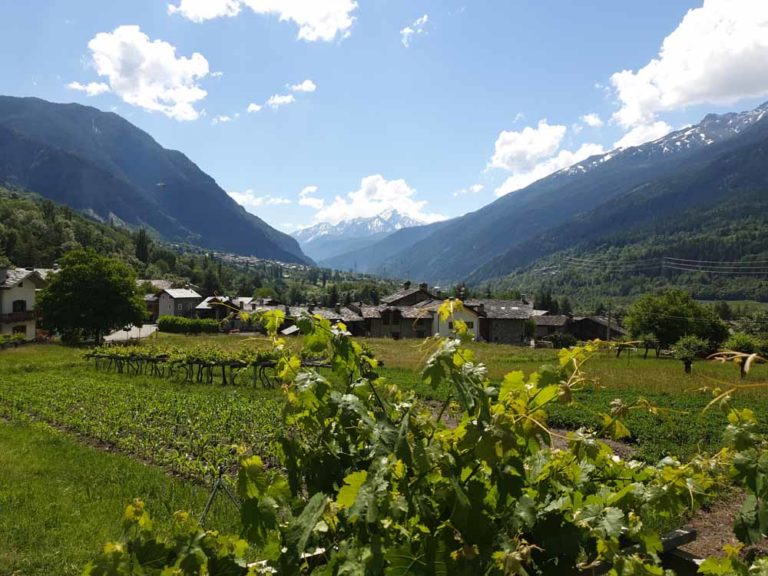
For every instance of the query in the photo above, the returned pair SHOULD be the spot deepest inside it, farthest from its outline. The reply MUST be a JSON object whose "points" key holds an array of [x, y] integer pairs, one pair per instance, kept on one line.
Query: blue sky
{"points": [[433, 107]]}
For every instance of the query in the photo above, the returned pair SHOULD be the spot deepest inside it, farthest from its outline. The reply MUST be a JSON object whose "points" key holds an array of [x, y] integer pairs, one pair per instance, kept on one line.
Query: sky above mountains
{"points": [[310, 111]]}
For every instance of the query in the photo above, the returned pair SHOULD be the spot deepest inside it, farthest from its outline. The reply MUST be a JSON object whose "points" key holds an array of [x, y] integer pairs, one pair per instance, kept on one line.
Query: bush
{"points": [[561, 340], [690, 348], [179, 325]]}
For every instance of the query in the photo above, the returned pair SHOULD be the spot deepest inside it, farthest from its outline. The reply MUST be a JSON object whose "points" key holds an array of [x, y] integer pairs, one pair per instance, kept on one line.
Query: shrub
{"points": [[741, 342], [180, 325]]}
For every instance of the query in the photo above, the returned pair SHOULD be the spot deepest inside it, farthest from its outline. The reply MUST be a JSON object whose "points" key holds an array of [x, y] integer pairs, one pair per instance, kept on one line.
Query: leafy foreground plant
{"points": [[377, 483]]}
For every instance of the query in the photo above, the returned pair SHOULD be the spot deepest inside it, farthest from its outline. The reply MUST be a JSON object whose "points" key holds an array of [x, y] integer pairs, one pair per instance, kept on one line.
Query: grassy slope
{"points": [[60, 500]]}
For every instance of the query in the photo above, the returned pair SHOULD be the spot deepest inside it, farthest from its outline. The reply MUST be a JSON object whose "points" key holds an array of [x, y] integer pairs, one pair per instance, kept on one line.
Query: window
{"points": [[20, 330], [470, 324], [180, 307], [19, 306], [450, 325]]}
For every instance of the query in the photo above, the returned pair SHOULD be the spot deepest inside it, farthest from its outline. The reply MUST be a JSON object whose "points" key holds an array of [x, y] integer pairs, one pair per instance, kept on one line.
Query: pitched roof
{"points": [[401, 294], [180, 293], [157, 284], [414, 312], [603, 321], [370, 312], [551, 320], [502, 309], [15, 275], [214, 302]]}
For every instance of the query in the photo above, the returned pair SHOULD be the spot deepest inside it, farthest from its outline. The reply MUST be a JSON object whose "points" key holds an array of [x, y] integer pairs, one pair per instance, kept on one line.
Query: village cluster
{"points": [[410, 312]]}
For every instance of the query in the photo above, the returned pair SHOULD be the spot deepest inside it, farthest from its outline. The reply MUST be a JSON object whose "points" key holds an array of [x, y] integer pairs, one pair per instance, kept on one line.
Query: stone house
{"points": [[18, 295], [178, 302], [550, 325]]}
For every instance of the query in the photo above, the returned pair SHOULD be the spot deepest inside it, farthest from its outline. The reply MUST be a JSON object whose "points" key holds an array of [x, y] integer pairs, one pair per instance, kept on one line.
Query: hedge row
{"points": [[179, 325], [12, 340]]}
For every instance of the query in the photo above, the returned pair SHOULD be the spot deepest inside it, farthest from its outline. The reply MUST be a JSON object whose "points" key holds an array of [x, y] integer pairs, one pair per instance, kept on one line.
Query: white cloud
{"points": [[253, 107], [222, 119], [201, 10], [417, 28], [306, 86], [643, 133], [306, 198], [592, 120], [316, 19], [217, 74], [91, 89], [280, 100], [474, 189], [148, 74], [522, 150], [717, 55], [564, 159], [248, 199], [375, 195]]}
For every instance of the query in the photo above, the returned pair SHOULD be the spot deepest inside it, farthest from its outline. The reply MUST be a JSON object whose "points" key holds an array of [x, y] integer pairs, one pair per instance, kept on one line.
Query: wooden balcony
{"points": [[16, 317]]}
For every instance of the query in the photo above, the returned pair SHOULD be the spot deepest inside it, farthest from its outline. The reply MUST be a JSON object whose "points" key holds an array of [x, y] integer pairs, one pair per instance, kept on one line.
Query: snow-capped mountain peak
{"points": [[388, 221], [713, 128]]}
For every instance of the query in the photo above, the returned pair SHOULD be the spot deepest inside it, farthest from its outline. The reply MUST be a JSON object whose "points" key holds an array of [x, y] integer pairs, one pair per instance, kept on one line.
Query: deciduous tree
{"points": [[90, 296]]}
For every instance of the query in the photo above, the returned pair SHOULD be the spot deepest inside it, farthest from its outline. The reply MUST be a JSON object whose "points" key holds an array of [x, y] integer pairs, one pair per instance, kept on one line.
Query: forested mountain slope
{"points": [[100, 163], [699, 166]]}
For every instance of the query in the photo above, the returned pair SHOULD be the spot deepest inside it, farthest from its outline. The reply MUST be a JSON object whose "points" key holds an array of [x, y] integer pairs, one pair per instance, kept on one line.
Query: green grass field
{"points": [[49, 477], [60, 500]]}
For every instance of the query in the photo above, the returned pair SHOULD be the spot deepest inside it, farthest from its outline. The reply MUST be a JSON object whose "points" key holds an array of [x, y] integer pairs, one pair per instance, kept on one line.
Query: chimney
{"points": [[481, 308], [337, 308], [524, 298], [240, 303], [406, 285], [424, 286]]}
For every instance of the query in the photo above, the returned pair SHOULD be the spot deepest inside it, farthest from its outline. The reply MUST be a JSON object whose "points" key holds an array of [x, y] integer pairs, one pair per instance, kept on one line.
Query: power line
{"points": [[717, 261]]}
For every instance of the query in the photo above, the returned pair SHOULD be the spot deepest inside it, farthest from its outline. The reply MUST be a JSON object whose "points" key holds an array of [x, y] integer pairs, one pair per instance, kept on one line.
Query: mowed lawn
{"points": [[118, 437]]}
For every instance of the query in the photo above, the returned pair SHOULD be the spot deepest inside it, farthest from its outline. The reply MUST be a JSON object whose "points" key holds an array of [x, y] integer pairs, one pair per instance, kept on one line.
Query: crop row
{"points": [[190, 430]]}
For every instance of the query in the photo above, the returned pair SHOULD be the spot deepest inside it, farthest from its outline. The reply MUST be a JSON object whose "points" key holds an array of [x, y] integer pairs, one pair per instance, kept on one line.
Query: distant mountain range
{"points": [[99, 163], [323, 241], [718, 167]]}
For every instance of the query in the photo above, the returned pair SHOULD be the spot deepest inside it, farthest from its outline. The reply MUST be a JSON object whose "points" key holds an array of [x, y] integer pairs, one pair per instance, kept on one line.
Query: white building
{"points": [[18, 288]]}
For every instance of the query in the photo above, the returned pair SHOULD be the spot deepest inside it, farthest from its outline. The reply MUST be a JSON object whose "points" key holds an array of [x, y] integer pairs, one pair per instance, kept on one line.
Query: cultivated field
{"points": [[63, 422]]}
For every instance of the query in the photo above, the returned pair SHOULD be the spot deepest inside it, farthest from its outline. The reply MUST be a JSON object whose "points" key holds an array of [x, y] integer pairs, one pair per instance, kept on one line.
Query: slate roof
{"points": [[414, 312], [502, 309], [181, 293], [551, 320], [157, 284], [371, 312], [399, 295], [16, 275]]}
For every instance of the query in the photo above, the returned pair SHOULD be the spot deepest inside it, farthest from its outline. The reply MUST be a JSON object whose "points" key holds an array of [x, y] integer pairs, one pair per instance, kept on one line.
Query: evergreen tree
{"points": [[142, 244]]}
